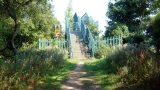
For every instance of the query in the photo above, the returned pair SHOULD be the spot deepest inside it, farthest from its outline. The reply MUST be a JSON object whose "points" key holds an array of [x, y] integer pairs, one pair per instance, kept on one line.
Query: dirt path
{"points": [[78, 80]]}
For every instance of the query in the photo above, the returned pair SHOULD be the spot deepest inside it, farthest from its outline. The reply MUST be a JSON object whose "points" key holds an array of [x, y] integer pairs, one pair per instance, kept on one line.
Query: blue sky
{"points": [[95, 8]]}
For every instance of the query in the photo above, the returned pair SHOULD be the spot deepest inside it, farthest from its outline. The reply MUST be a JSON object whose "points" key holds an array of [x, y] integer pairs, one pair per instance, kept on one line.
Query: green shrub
{"points": [[103, 51], [28, 67], [134, 64]]}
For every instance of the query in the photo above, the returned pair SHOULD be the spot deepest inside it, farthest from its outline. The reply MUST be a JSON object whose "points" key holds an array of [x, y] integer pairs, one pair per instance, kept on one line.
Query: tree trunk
{"points": [[16, 25]]}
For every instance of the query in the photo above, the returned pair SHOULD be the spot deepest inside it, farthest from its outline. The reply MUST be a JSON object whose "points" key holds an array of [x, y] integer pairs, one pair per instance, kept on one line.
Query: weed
{"points": [[29, 66]]}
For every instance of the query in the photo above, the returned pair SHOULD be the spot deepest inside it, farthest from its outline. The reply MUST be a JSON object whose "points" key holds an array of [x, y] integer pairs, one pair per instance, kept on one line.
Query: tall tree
{"points": [[93, 26], [13, 9], [128, 12], [69, 14], [154, 31], [155, 7], [26, 17]]}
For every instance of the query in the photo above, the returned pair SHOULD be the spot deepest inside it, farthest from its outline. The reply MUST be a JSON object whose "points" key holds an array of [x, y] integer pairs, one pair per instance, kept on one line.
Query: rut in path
{"points": [[78, 79]]}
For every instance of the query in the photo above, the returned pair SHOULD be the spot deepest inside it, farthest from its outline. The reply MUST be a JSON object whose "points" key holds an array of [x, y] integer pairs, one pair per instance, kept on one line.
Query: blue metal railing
{"points": [[68, 34], [45, 43], [87, 37]]}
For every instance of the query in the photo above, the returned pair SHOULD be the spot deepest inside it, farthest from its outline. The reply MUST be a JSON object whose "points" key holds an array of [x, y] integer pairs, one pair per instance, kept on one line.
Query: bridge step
{"points": [[76, 48]]}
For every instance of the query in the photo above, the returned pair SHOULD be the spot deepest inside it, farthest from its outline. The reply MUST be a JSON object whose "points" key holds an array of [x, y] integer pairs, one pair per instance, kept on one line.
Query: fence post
{"points": [[112, 39], [39, 43], [119, 40]]}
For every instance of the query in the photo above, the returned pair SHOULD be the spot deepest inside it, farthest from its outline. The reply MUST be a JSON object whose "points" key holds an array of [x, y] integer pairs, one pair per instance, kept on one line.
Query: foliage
{"points": [[24, 21], [69, 14], [126, 68], [105, 77], [39, 21], [55, 78], [135, 65], [93, 26], [117, 30], [29, 67], [154, 32], [136, 39], [102, 51], [128, 12], [155, 6]]}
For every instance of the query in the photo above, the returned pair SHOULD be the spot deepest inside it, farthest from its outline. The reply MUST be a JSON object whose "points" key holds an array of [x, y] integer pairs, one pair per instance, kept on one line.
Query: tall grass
{"points": [[135, 64], [28, 66], [104, 50]]}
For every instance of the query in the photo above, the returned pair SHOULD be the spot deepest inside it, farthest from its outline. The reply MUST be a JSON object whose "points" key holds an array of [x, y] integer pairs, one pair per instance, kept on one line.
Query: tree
{"points": [[93, 26], [155, 7], [29, 18], [117, 30], [69, 14], [128, 12], [121, 30], [13, 9], [154, 31]]}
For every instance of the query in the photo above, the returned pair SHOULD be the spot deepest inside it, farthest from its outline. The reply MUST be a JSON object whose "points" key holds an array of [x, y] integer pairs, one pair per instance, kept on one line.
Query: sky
{"points": [[95, 8]]}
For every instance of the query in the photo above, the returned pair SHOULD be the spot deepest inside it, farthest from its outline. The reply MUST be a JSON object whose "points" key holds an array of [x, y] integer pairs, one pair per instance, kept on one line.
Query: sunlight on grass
{"points": [[108, 81], [54, 79]]}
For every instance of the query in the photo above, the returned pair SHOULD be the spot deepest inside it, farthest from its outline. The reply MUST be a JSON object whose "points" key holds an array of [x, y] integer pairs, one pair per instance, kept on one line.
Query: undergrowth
{"points": [[127, 68], [107, 78], [31, 66]]}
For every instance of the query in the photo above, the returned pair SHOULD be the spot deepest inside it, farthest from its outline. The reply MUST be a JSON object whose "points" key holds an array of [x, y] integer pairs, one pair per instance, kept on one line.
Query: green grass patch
{"points": [[54, 79], [33, 69], [128, 68], [107, 79]]}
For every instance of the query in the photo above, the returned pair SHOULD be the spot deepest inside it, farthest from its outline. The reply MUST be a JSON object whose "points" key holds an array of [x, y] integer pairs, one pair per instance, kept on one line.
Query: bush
{"points": [[28, 67], [103, 51], [134, 64], [153, 32]]}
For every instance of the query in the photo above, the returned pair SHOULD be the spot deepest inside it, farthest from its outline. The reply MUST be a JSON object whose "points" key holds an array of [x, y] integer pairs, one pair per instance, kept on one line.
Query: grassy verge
{"points": [[128, 68], [107, 78], [54, 79]]}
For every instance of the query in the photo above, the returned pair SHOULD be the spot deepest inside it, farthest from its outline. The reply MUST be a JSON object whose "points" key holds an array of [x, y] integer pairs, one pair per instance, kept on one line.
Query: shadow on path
{"points": [[78, 80]]}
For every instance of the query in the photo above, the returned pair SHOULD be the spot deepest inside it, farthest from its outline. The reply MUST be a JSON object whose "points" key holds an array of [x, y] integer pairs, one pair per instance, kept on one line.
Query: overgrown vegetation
{"points": [[136, 66], [31, 66], [105, 76], [102, 51], [130, 18], [23, 66], [137, 62], [93, 27], [24, 21], [153, 32], [129, 67]]}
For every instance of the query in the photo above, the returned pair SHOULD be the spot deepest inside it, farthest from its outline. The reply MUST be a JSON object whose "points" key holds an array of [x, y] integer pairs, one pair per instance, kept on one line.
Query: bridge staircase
{"points": [[77, 51], [79, 41]]}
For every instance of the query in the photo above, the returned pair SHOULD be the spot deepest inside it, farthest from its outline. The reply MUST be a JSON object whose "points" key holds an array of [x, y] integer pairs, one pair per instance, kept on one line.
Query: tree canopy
{"points": [[131, 16], [154, 31], [93, 26], [130, 13], [24, 21], [69, 14]]}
